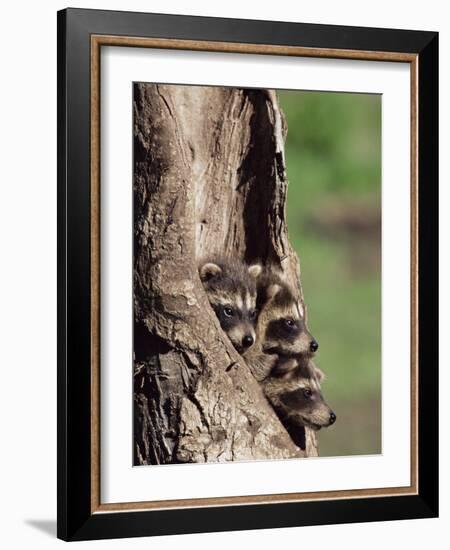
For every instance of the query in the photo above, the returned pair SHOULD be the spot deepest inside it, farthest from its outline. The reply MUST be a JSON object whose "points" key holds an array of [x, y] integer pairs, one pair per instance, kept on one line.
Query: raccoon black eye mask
{"points": [[288, 329]]}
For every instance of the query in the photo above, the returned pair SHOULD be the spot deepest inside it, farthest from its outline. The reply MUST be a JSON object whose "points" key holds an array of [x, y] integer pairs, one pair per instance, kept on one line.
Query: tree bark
{"points": [[209, 177]]}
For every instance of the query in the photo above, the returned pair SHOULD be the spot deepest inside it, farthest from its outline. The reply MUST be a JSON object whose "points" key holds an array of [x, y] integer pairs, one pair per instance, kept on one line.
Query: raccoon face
{"points": [[285, 331], [231, 290], [305, 406], [296, 396], [238, 322]]}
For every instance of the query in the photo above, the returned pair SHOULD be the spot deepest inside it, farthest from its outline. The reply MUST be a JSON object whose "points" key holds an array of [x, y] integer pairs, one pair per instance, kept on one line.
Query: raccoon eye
{"points": [[228, 311], [289, 322], [307, 393], [253, 314]]}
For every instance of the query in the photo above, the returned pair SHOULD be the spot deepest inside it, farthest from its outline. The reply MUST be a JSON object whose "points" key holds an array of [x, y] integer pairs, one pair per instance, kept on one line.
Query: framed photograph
{"points": [[247, 255]]}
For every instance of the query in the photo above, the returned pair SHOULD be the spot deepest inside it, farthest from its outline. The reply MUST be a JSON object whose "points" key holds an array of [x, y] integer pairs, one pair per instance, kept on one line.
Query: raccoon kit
{"points": [[231, 289], [294, 391], [281, 330]]}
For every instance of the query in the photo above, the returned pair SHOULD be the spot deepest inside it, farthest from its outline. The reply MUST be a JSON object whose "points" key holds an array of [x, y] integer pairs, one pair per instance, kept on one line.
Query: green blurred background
{"points": [[333, 157]]}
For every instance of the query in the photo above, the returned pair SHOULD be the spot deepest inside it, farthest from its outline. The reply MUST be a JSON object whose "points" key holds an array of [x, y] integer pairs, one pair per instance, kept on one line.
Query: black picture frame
{"points": [[76, 521]]}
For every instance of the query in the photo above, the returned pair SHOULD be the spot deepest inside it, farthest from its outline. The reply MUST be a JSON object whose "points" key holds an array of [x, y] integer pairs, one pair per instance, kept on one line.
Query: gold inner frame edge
{"points": [[232, 47]]}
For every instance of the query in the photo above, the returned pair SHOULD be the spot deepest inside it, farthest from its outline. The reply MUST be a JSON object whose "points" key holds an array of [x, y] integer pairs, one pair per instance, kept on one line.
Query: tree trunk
{"points": [[209, 177]]}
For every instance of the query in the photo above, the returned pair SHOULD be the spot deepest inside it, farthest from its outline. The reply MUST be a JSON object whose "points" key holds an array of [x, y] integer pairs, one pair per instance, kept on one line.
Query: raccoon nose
{"points": [[313, 346], [332, 418], [247, 341]]}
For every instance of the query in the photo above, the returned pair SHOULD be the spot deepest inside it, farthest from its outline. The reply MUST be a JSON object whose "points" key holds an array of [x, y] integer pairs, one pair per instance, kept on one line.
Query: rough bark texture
{"points": [[209, 178]]}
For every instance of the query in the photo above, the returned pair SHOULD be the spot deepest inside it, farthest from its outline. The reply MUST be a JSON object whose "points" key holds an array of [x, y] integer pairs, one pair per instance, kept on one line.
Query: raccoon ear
{"points": [[311, 370], [255, 270], [209, 270], [301, 309], [272, 290], [320, 375]]}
